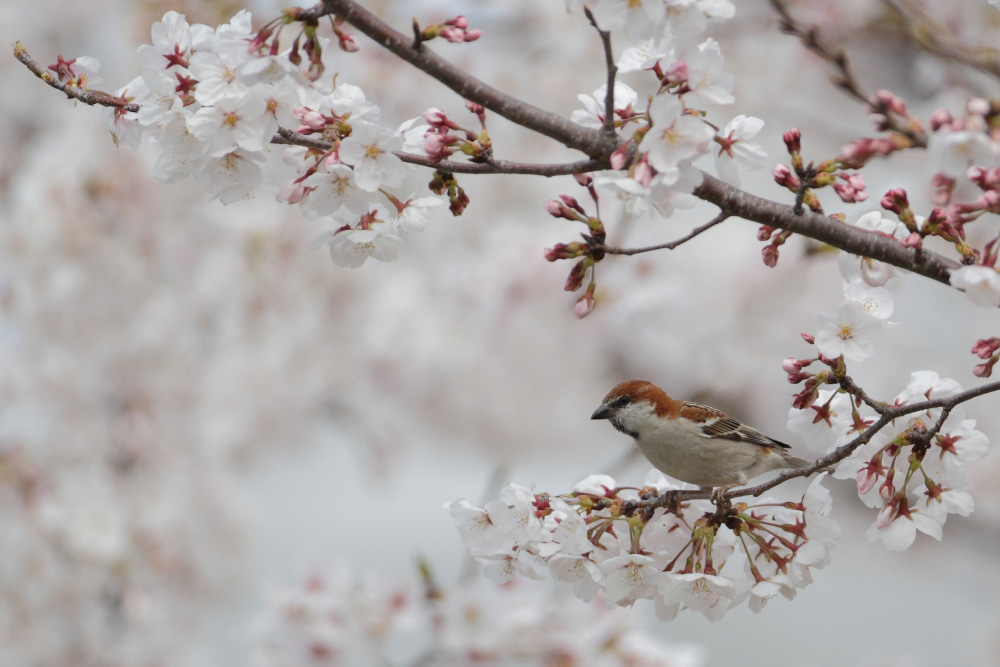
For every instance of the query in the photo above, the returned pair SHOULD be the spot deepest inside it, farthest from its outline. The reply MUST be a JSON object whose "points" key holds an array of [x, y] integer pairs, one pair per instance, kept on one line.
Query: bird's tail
{"points": [[796, 462]]}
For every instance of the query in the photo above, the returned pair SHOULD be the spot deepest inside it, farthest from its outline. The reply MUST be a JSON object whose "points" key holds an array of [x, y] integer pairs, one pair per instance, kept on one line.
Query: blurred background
{"points": [[198, 415]]}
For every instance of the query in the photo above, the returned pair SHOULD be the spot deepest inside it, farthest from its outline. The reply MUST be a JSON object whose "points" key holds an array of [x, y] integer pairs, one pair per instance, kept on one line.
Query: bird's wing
{"points": [[715, 424]]}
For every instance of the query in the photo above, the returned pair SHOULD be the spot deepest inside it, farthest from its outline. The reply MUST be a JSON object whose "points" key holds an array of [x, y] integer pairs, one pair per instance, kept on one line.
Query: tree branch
{"points": [[612, 250], [850, 239], [84, 95], [845, 80], [937, 39], [837, 455], [612, 69], [594, 143], [285, 136]]}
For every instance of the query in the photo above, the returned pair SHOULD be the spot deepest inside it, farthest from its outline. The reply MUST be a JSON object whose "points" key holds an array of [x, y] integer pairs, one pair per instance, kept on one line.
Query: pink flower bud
{"points": [[978, 106], [435, 117], [866, 480], [914, 240], [644, 174], [554, 208], [770, 256], [459, 22], [618, 157], [795, 378], [791, 365], [807, 338], [575, 279], [677, 73], [983, 370], [886, 515], [347, 43], [985, 347], [886, 491], [473, 35], [939, 119], [784, 177], [585, 305], [793, 140]]}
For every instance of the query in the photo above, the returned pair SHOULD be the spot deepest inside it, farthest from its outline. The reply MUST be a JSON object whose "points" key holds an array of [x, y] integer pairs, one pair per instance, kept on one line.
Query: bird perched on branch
{"points": [[691, 442]]}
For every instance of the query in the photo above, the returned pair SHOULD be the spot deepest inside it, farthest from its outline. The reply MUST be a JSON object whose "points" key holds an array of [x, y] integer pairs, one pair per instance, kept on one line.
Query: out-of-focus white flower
{"points": [[980, 283], [640, 18]]}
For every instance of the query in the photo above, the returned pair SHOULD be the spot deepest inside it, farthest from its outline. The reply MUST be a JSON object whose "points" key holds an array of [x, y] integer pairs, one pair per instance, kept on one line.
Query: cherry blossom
{"points": [[850, 331], [735, 152], [981, 284]]}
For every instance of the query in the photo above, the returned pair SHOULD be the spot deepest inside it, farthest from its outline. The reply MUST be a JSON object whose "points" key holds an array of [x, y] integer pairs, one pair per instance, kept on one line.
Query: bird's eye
{"points": [[621, 402]]}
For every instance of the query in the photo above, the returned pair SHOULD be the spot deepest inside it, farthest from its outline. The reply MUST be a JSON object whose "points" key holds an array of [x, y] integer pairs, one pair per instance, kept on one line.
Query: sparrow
{"points": [[690, 442]]}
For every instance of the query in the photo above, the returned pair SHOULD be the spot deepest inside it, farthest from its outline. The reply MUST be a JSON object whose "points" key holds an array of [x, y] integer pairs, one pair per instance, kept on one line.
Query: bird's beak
{"points": [[603, 412]]}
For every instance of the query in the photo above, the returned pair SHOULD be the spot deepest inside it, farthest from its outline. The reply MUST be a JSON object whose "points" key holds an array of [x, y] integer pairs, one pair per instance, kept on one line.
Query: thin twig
{"points": [[934, 37], [84, 95], [611, 250], [845, 80], [609, 62], [848, 385], [838, 454]]}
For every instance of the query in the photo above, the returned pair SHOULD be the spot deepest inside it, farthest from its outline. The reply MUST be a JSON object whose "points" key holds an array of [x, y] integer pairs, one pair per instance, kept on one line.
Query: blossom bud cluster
{"points": [[912, 470], [605, 539], [213, 99], [347, 618]]}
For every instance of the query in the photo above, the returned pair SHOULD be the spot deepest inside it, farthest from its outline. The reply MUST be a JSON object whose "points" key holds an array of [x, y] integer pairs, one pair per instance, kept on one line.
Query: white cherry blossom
{"points": [[850, 331], [980, 283]]}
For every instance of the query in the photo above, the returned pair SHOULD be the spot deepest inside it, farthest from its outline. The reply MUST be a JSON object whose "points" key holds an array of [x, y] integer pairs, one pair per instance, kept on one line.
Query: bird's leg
{"points": [[718, 496]]}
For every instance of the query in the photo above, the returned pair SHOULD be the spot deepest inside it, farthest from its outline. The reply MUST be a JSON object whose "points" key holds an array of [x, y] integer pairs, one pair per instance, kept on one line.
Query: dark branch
{"points": [[594, 143], [850, 239], [611, 250], [609, 63]]}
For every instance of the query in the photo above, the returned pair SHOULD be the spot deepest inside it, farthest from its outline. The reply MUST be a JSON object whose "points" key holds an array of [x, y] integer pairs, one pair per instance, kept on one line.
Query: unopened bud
{"points": [[575, 279], [793, 140]]}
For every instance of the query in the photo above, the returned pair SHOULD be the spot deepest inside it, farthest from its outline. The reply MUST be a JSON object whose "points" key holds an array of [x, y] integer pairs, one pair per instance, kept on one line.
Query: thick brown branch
{"points": [[84, 95], [837, 455], [742, 204], [612, 250], [594, 143]]}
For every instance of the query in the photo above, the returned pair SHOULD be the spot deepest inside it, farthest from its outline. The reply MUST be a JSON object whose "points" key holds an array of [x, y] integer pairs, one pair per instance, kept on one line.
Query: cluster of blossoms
{"points": [[669, 134], [605, 539], [213, 100], [341, 618], [912, 470]]}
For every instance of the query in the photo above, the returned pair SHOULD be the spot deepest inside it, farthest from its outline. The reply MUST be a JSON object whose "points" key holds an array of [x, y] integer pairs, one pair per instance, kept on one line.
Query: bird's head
{"points": [[636, 407]]}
